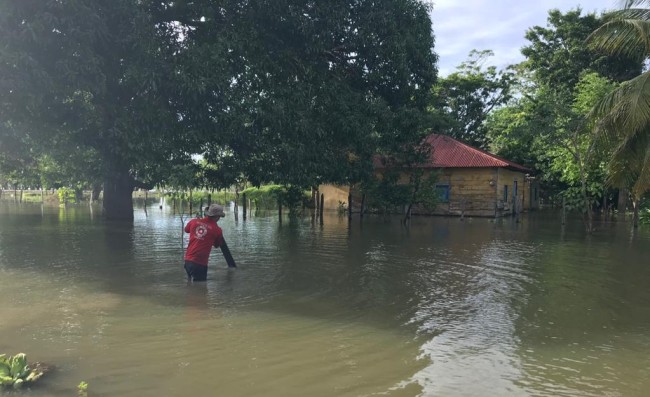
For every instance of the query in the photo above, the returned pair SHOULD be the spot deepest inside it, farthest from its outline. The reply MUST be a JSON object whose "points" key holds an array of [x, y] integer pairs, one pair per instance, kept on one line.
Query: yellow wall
{"points": [[333, 195], [472, 192]]}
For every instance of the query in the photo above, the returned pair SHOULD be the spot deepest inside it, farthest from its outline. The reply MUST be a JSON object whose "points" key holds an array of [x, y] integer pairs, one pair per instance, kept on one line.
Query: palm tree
{"points": [[624, 114]]}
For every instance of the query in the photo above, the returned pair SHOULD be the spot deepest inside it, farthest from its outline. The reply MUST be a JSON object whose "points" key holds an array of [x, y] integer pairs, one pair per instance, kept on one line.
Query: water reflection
{"points": [[441, 308]]}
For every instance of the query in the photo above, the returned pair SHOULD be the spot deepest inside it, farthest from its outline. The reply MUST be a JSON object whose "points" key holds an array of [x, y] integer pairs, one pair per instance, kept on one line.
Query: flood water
{"points": [[367, 308]]}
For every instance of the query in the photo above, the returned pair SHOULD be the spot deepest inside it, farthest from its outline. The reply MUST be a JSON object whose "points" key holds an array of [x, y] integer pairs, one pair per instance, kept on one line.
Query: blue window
{"points": [[505, 193], [443, 192]]}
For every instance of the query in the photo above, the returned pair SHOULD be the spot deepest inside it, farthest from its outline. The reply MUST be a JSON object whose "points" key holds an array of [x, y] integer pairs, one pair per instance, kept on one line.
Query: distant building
{"points": [[471, 182]]}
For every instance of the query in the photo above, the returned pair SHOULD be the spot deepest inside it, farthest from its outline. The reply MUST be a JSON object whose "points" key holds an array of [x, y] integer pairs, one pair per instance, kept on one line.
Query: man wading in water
{"points": [[204, 234]]}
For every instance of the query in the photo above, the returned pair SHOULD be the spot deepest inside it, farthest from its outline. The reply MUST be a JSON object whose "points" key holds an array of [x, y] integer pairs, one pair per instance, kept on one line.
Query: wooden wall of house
{"points": [[333, 196], [482, 192], [472, 192]]}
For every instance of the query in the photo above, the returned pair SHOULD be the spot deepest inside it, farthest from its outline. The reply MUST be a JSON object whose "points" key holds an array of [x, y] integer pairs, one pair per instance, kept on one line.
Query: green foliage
{"points": [[82, 389], [91, 84], [265, 196], [389, 194], [14, 371], [644, 216], [547, 125], [66, 195], [325, 86], [268, 197], [428, 195], [285, 91], [469, 95], [624, 114], [558, 54]]}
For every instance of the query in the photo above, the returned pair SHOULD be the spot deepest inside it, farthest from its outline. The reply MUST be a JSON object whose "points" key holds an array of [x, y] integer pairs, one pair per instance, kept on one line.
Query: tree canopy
{"points": [[296, 92], [469, 95]]}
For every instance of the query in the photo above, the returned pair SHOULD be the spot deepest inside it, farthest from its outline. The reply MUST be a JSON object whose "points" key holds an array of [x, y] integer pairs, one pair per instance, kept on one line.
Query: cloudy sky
{"points": [[497, 25]]}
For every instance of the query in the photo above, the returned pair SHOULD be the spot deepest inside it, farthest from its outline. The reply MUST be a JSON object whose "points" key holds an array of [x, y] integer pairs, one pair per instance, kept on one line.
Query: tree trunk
{"points": [[635, 217], [118, 197], [97, 189], [622, 201], [589, 221]]}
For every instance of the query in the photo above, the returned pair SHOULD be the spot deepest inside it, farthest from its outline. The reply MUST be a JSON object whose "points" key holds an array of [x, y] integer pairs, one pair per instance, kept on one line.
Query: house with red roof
{"points": [[470, 182]]}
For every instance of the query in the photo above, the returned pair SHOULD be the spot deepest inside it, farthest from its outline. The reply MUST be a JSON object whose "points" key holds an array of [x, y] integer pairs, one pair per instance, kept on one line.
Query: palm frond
{"points": [[623, 35], [637, 104], [625, 110], [633, 3], [623, 167], [642, 183]]}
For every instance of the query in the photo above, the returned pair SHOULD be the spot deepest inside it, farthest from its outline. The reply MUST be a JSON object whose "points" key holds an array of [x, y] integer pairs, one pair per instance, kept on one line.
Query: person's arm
{"points": [[218, 240]]}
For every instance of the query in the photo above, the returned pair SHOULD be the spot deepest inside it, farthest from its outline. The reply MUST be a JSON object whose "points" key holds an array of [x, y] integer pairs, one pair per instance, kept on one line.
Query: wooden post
{"points": [[622, 201], [209, 199], [462, 209], [363, 204], [145, 203], [518, 205], [280, 209], [563, 210], [190, 202], [244, 203], [322, 201], [201, 208], [350, 204]]}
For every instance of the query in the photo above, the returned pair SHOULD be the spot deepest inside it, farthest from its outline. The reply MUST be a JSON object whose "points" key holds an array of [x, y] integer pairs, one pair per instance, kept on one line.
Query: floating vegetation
{"points": [[82, 389], [14, 371]]}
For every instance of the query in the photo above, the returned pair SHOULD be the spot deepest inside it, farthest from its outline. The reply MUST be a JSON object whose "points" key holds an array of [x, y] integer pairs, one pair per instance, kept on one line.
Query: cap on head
{"points": [[215, 210]]}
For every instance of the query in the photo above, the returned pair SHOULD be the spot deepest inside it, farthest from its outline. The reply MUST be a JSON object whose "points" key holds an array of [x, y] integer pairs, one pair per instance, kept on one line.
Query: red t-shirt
{"points": [[204, 234]]}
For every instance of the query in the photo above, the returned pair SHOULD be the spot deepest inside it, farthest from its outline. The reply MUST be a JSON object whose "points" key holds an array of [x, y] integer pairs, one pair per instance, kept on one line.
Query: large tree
{"points": [[295, 91], [558, 56], [320, 87], [95, 74]]}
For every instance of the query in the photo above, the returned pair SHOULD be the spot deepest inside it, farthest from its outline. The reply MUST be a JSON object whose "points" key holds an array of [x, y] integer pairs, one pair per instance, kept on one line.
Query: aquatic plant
{"points": [[14, 371], [82, 389]]}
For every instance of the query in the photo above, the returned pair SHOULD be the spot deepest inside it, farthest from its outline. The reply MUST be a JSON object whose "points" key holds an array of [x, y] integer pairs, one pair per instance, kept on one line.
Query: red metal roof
{"points": [[447, 152]]}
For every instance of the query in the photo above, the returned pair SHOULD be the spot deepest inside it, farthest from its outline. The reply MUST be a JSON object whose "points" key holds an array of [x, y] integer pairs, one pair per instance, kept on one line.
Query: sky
{"points": [[498, 25]]}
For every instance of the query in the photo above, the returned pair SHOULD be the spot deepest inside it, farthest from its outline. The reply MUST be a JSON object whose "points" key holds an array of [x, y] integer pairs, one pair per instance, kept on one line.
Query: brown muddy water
{"points": [[366, 308]]}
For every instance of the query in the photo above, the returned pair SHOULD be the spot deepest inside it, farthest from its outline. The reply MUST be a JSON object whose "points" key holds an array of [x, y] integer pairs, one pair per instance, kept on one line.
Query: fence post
{"points": [[244, 203]]}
